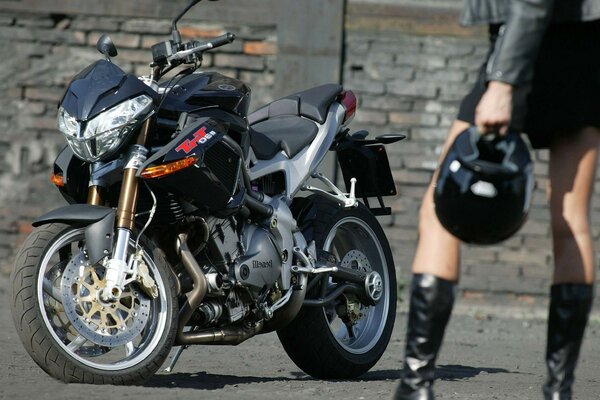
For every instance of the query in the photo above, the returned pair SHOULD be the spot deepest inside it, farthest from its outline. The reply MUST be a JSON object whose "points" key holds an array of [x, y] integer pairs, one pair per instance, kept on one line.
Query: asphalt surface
{"points": [[491, 352]]}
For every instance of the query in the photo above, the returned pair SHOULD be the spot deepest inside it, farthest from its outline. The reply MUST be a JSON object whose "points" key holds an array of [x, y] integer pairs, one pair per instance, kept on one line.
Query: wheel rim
{"points": [[98, 354], [354, 237]]}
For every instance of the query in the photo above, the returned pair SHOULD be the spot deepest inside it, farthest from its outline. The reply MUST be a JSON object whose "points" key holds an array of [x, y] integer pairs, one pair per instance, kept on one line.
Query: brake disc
{"points": [[104, 323], [358, 260], [62, 325]]}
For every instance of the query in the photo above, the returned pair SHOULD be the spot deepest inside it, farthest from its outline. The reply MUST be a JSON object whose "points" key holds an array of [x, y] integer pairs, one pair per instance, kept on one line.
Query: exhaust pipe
{"points": [[226, 335], [195, 296], [229, 335]]}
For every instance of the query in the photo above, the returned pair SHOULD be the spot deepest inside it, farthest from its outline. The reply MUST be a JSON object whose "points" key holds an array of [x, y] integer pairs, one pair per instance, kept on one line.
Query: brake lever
{"points": [[183, 54]]}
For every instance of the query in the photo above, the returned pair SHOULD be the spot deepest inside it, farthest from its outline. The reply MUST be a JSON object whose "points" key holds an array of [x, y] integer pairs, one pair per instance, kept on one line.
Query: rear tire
{"points": [[311, 340], [37, 315]]}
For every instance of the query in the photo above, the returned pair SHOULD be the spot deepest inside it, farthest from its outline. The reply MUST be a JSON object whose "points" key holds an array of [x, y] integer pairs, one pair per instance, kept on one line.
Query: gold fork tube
{"points": [[95, 196], [129, 189], [144, 132], [127, 200]]}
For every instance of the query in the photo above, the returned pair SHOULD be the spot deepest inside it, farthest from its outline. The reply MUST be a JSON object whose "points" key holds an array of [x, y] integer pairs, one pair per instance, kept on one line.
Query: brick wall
{"points": [[410, 77], [38, 56], [410, 65]]}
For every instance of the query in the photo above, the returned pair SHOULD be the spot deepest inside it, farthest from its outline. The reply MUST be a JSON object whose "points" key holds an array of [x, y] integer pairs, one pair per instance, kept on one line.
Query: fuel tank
{"points": [[208, 89]]}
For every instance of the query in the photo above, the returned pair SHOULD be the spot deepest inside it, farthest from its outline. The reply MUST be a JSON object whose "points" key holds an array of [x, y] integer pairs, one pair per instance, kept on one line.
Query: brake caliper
{"points": [[147, 284], [349, 310]]}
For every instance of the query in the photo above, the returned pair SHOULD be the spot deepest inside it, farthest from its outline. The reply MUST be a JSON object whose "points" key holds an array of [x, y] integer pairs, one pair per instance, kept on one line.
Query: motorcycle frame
{"points": [[299, 169]]}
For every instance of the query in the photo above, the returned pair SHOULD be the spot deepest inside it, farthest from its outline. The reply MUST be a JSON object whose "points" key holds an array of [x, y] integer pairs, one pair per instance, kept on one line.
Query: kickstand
{"points": [[175, 358]]}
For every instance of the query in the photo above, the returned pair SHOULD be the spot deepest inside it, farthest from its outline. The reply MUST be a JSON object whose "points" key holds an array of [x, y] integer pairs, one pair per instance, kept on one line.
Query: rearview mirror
{"points": [[106, 46]]}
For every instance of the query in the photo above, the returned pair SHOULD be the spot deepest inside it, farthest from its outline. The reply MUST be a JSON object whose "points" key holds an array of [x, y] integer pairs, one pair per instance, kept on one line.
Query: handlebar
{"points": [[221, 40], [199, 47]]}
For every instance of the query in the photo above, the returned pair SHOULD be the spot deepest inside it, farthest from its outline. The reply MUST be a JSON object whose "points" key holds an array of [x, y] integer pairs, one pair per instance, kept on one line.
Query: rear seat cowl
{"points": [[312, 103]]}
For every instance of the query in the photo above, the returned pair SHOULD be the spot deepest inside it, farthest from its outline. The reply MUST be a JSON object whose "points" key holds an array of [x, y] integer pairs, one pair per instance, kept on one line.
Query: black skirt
{"points": [[564, 95]]}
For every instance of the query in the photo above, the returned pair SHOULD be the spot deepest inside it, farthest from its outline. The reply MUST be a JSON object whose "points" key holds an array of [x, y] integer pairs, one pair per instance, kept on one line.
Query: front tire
{"points": [[317, 340], [51, 329]]}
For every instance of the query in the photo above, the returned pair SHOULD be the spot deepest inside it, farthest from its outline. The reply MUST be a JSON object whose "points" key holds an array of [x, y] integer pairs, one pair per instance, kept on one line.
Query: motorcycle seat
{"points": [[287, 124], [289, 133], [312, 103]]}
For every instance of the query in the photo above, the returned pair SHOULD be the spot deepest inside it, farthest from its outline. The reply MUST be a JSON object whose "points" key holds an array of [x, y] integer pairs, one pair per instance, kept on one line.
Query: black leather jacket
{"points": [[525, 22]]}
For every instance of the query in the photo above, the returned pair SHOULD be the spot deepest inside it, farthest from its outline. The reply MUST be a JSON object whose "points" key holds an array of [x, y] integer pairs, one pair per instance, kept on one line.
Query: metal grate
{"points": [[225, 164]]}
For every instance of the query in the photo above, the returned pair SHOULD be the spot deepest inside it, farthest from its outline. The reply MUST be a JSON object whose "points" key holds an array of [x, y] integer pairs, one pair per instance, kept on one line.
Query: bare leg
{"points": [[435, 269], [572, 170], [572, 173], [438, 252]]}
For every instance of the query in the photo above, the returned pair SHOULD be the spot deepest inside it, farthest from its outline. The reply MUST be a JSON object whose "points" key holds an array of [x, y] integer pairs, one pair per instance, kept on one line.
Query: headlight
{"points": [[100, 136], [67, 124]]}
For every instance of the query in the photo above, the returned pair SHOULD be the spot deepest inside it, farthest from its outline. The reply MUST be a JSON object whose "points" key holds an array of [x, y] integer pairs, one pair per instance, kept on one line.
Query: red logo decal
{"points": [[200, 136]]}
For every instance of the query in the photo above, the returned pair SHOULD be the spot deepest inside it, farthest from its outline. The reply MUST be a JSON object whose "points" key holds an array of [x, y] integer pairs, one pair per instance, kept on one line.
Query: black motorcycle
{"points": [[185, 226]]}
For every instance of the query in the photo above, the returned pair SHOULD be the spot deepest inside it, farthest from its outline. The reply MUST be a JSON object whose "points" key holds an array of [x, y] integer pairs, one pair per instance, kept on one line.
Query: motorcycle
{"points": [[185, 225]]}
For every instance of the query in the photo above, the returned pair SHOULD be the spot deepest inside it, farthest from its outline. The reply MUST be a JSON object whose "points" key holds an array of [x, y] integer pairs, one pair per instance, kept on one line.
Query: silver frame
{"points": [[298, 169]]}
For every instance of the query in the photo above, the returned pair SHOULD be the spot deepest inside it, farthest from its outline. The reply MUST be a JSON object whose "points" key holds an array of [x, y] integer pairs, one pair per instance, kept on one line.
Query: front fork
{"points": [[117, 267]]}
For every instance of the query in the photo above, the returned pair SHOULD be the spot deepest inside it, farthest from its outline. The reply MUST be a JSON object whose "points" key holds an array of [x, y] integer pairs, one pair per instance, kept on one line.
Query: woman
{"points": [[542, 77]]}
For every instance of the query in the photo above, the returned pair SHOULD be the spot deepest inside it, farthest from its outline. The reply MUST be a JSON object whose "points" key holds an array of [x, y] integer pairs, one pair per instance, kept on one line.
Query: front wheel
{"points": [[68, 329], [345, 338]]}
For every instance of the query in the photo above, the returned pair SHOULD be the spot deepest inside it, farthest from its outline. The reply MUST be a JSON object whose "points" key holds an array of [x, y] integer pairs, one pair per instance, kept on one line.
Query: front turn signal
{"points": [[57, 179], [166, 169]]}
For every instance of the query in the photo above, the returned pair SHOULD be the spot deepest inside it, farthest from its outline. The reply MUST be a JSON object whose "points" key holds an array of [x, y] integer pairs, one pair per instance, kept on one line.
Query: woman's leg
{"points": [[438, 252], [435, 268], [572, 173]]}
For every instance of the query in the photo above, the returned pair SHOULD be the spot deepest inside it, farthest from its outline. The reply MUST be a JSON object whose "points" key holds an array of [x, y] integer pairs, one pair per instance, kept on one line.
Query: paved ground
{"points": [[491, 352]]}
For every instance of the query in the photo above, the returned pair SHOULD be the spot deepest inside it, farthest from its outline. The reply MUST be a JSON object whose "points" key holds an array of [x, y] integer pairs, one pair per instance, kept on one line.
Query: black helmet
{"points": [[484, 187]]}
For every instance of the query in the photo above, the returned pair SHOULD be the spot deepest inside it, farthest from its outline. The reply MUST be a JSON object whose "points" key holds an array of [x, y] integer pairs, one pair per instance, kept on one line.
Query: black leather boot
{"points": [[431, 302], [570, 305]]}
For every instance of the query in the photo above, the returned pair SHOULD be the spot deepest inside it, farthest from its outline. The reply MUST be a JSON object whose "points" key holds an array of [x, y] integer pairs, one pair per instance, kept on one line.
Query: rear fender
{"points": [[98, 221]]}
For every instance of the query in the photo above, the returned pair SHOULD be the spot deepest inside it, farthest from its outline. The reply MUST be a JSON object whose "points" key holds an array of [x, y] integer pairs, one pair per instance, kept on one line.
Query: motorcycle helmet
{"points": [[484, 187]]}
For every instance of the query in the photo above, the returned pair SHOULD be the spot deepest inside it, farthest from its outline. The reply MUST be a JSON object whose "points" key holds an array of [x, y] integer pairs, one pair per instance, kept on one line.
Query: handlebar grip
{"points": [[222, 40], [198, 47]]}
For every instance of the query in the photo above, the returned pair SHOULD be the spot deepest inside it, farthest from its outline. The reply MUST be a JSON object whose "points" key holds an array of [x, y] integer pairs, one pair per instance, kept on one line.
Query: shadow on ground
{"points": [[455, 372], [208, 381]]}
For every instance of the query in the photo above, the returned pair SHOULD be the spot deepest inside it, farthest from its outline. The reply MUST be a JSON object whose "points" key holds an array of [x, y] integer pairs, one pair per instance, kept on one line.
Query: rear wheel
{"points": [[67, 328], [345, 338]]}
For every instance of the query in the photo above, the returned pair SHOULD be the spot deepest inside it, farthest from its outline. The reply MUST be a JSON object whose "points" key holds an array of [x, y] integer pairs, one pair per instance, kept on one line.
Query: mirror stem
{"points": [[174, 31]]}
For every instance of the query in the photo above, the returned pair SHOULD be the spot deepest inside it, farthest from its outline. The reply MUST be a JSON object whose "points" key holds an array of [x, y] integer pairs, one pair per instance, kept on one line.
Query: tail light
{"points": [[349, 102]]}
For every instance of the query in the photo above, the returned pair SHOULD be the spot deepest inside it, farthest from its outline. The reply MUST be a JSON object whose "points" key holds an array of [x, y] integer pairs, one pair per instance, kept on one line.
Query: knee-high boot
{"points": [[431, 302], [570, 306]]}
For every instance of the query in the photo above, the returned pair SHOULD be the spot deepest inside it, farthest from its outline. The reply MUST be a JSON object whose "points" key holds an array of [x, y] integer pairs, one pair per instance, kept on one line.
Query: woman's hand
{"points": [[493, 113]]}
